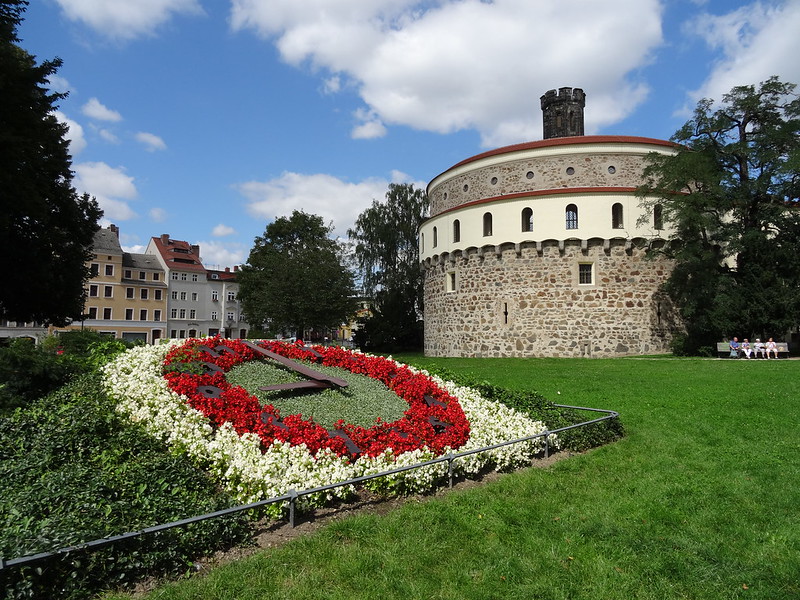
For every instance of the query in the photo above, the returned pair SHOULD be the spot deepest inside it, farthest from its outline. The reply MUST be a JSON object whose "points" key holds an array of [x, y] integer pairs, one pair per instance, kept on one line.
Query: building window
{"points": [[616, 216], [157, 294], [456, 231], [183, 313], [487, 224], [183, 295], [527, 219], [194, 296], [110, 270], [142, 275], [192, 314], [144, 294], [129, 292], [108, 291], [231, 296], [231, 316], [156, 315], [586, 273], [107, 314], [129, 314], [422, 242], [214, 295], [173, 313], [155, 277], [174, 276], [183, 276], [194, 276], [450, 283], [94, 269], [93, 312], [658, 217], [127, 274], [213, 315], [173, 333], [435, 237], [94, 291], [143, 314], [572, 216], [174, 295]]}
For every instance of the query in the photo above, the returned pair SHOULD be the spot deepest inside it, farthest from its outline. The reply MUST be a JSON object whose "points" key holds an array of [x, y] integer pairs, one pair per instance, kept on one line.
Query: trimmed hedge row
{"points": [[74, 471]]}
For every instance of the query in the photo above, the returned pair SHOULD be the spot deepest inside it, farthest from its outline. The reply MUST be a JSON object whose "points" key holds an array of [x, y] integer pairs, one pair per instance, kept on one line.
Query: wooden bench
{"points": [[724, 350]]}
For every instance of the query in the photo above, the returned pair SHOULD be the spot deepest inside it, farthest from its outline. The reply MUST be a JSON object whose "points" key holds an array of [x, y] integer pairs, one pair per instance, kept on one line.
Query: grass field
{"points": [[701, 499]]}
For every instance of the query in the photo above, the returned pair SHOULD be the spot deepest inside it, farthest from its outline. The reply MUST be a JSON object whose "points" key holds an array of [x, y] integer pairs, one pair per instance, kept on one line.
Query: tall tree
{"points": [[295, 279], [731, 194], [387, 253], [46, 228]]}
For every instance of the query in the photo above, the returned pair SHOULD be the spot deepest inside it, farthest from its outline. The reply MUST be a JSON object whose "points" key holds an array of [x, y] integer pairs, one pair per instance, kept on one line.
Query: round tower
{"points": [[563, 112]]}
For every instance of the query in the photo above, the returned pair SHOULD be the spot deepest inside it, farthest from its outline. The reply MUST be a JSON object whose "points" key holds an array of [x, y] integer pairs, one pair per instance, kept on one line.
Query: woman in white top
{"points": [[772, 347]]}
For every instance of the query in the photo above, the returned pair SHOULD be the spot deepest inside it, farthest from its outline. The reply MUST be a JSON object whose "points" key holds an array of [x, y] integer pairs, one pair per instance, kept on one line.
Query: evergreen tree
{"points": [[387, 253], [731, 193], [294, 279], [46, 228]]}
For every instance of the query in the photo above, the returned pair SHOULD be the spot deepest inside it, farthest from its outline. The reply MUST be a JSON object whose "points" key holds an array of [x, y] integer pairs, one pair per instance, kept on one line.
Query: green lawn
{"points": [[701, 499]]}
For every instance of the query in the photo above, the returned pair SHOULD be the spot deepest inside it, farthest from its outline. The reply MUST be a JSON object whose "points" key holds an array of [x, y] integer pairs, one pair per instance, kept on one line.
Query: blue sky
{"points": [[207, 119]]}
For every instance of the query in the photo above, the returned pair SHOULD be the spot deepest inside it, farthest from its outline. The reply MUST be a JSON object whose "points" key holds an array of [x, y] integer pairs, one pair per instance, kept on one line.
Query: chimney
{"points": [[165, 238], [114, 229], [227, 269], [195, 249], [235, 268]]}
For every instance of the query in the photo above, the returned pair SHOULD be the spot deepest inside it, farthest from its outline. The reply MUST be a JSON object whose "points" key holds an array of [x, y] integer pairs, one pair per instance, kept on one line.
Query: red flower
{"points": [[434, 418]]}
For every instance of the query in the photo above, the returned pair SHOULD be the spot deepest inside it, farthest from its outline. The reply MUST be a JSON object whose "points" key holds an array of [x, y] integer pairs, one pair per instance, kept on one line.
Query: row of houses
{"points": [[166, 292]]}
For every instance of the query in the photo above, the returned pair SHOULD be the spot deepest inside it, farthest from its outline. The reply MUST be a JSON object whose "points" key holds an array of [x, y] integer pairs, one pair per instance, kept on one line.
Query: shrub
{"points": [[74, 471], [28, 372]]}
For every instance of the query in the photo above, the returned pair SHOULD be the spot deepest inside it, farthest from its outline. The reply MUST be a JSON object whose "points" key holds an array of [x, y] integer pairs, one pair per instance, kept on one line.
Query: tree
{"points": [[387, 253], [731, 194], [46, 228], [294, 278]]}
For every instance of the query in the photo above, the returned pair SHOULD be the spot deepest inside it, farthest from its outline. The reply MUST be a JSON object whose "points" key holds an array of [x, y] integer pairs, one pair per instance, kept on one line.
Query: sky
{"points": [[208, 119]]}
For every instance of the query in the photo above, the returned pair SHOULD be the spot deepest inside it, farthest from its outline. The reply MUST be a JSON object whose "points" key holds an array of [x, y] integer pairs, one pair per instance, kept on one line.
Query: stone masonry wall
{"points": [[532, 304], [541, 173]]}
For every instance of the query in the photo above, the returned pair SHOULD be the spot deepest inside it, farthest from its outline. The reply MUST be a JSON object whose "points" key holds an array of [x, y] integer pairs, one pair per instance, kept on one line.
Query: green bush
{"points": [[28, 372], [74, 471]]}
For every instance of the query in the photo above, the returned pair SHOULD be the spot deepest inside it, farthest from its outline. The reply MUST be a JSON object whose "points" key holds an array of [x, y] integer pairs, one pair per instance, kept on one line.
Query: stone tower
{"points": [[563, 112]]}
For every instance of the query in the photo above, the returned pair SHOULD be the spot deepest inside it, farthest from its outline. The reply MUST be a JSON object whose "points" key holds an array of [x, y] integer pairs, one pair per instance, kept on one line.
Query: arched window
{"points": [[456, 231], [527, 219], [616, 216], [658, 218], [422, 242], [487, 224], [572, 216], [435, 237]]}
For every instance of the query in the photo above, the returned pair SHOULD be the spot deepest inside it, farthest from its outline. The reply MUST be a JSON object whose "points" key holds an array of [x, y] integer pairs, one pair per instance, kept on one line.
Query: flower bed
{"points": [[255, 459]]}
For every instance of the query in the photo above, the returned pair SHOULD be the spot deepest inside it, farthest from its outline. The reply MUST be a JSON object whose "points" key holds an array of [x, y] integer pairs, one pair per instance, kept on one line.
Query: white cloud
{"points": [[222, 230], [150, 141], [218, 255], [108, 136], [111, 186], [370, 127], [77, 141], [461, 64], [754, 42], [95, 110], [331, 198], [58, 83], [126, 19], [157, 215]]}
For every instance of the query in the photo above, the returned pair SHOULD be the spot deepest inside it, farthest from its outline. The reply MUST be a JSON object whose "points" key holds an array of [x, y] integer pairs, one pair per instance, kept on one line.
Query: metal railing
{"points": [[291, 496]]}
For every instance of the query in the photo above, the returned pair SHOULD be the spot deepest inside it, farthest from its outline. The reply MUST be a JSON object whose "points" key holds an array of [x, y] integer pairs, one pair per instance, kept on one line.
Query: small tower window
{"points": [[456, 231], [435, 237], [585, 273], [616, 216], [658, 217], [527, 219], [487, 224], [572, 216]]}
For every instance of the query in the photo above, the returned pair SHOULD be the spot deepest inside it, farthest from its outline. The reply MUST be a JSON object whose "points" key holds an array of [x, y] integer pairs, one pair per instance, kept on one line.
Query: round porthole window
{"points": [[445, 195], [466, 187], [570, 171], [612, 169], [494, 180], [529, 174]]}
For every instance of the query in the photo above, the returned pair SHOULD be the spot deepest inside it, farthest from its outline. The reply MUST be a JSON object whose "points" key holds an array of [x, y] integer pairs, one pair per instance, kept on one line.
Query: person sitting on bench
{"points": [[734, 346], [772, 347]]}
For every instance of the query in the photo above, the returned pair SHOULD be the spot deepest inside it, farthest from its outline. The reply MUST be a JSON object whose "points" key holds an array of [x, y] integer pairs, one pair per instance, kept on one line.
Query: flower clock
{"points": [[179, 391]]}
